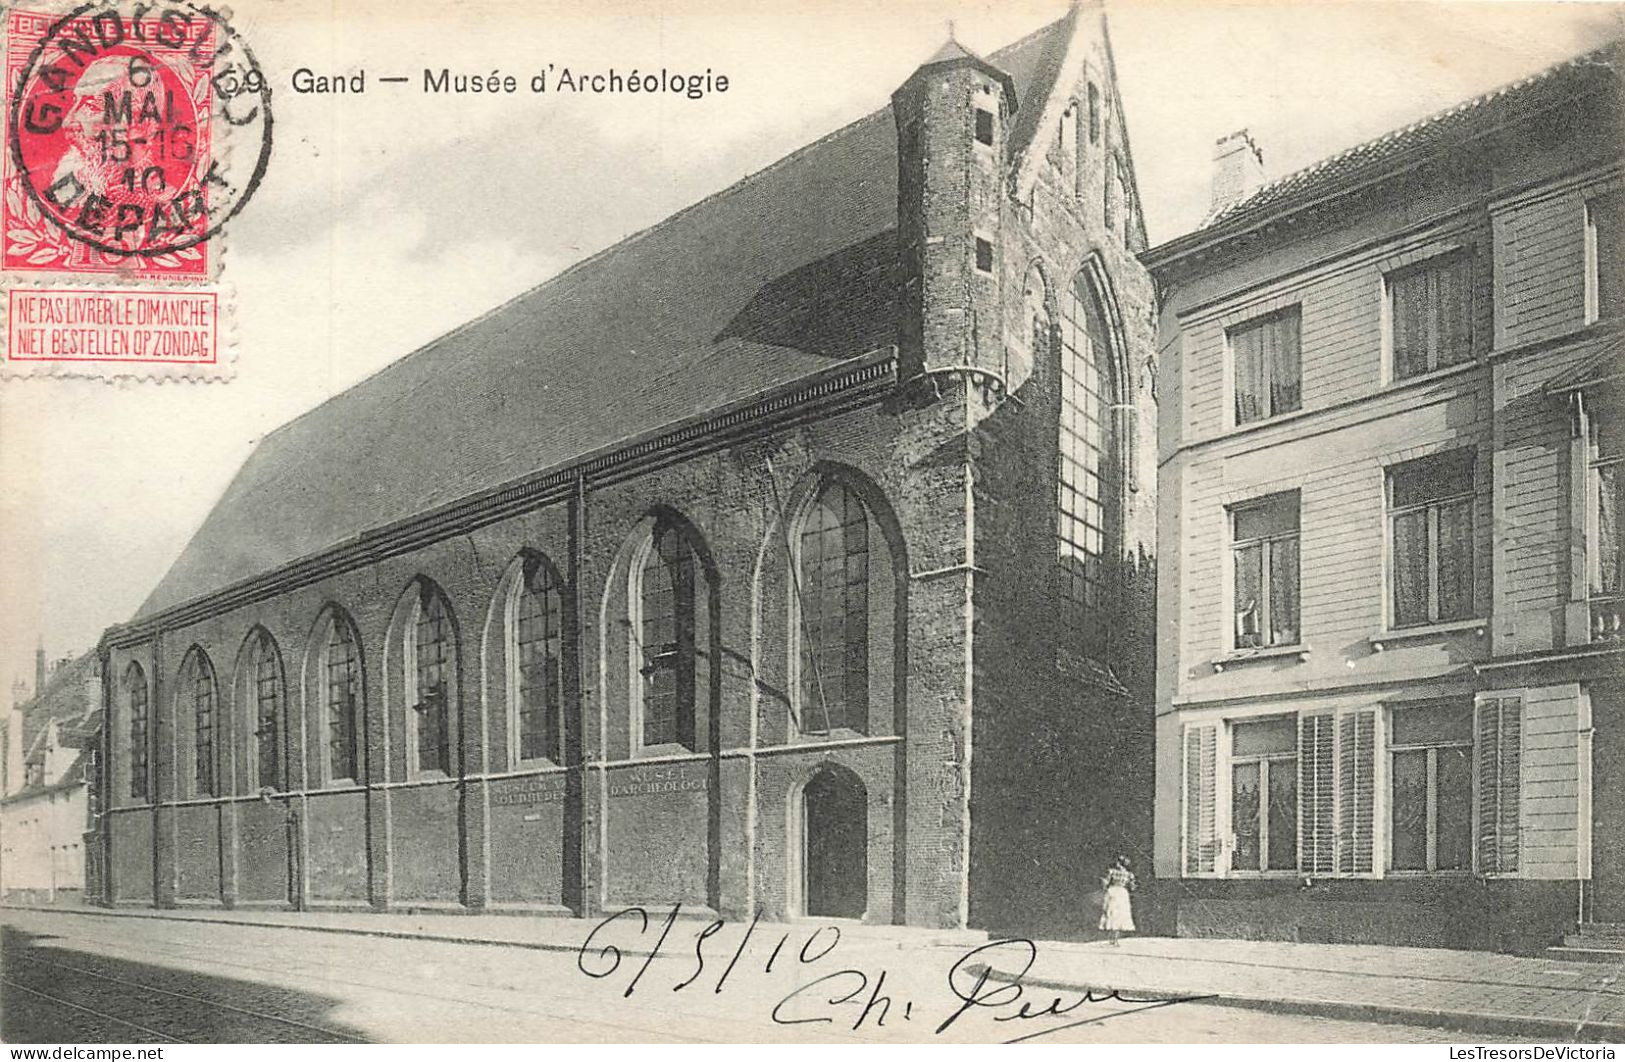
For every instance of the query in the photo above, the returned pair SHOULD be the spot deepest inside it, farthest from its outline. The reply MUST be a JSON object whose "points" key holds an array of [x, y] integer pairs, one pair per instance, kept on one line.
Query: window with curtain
{"points": [[1088, 477], [135, 693], [1430, 772], [1264, 794], [833, 583], [1265, 356], [1430, 539], [267, 713], [669, 602], [431, 675], [343, 701], [199, 689], [538, 653], [1605, 252], [1264, 550], [1430, 307], [1605, 480]]}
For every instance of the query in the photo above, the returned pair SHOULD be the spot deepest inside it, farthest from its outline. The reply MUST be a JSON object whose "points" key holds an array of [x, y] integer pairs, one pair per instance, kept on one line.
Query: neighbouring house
{"points": [[47, 813], [1390, 704]]}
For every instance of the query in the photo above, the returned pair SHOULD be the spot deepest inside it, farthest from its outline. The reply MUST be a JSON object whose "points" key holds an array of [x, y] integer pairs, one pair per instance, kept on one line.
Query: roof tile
{"points": [[1435, 131]]}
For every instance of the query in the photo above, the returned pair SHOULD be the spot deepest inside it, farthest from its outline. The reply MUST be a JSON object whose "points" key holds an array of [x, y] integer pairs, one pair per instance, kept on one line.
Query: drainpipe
{"points": [[586, 861], [967, 715], [103, 783], [296, 855], [292, 828]]}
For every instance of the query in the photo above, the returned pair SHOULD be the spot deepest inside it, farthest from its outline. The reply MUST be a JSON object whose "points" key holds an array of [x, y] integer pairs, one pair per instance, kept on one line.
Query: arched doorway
{"points": [[835, 845]]}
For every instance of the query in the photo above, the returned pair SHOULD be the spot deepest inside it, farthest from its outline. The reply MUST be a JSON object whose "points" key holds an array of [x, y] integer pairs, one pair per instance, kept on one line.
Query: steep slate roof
{"points": [[1435, 132], [759, 285], [67, 698]]}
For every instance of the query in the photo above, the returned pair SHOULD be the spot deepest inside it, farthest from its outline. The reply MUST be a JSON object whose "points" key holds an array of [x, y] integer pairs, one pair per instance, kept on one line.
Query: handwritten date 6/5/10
{"points": [[987, 978]]}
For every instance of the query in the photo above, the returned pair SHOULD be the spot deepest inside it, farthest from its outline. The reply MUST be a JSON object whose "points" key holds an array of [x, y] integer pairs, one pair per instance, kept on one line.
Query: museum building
{"points": [[1391, 685], [792, 556]]}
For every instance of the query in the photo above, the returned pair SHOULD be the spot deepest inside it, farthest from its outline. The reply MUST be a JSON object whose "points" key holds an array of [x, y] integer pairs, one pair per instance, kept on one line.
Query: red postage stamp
{"points": [[135, 130], [108, 169]]}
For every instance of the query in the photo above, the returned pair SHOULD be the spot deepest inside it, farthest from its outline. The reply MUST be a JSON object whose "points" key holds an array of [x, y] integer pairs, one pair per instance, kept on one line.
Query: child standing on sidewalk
{"points": [[1116, 909]]}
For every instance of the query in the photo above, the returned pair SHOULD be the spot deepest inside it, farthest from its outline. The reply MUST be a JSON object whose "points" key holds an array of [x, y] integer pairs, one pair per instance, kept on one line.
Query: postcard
{"points": [[909, 522]]}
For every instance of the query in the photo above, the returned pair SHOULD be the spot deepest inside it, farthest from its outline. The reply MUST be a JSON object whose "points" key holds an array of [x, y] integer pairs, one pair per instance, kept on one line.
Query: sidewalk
{"points": [[1474, 992], [1482, 992]]}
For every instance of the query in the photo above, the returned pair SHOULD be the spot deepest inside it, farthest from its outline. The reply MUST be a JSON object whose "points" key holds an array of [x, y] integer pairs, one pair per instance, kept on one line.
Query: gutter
{"points": [[1261, 219], [872, 376]]}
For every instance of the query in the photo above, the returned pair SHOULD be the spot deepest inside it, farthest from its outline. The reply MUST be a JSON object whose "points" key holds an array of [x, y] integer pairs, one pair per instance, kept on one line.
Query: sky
{"points": [[389, 217]]}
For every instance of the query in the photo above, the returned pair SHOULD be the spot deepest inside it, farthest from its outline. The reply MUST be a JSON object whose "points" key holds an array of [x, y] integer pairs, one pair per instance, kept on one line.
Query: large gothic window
{"points": [[135, 699], [430, 676], [1087, 489], [538, 641], [833, 581], [341, 700], [198, 697], [671, 595], [266, 706]]}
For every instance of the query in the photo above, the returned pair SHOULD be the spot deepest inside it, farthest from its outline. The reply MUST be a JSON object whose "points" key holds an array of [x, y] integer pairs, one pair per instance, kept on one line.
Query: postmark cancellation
{"points": [[134, 133]]}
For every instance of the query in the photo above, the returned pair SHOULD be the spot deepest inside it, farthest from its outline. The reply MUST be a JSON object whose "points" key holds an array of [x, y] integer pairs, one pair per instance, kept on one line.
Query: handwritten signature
{"points": [[987, 978]]}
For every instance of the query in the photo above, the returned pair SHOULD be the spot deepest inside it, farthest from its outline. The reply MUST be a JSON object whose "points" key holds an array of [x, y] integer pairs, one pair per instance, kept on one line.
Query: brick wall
{"points": [[426, 841], [1061, 755], [987, 745]]}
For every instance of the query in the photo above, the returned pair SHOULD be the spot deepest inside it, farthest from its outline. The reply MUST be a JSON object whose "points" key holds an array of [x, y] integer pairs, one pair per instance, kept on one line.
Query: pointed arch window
{"points": [[1042, 334], [538, 631], [197, 692], [268, 696], [1113, 194], [833, 580], [1087, 488], [431, 674], [671, 594], [135, 696], [1069, 148], [1125, 201], [341, 668]]}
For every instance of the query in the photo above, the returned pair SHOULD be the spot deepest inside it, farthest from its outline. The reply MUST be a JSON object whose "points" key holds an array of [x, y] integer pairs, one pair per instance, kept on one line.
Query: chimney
{"points": [[39, 669], [1238, 171]]}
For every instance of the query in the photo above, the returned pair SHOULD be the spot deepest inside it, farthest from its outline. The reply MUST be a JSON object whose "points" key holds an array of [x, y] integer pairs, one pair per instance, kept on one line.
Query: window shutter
{"points": [[1500, 735], [1356, 757], [1201, 821], [1317, 826]]}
